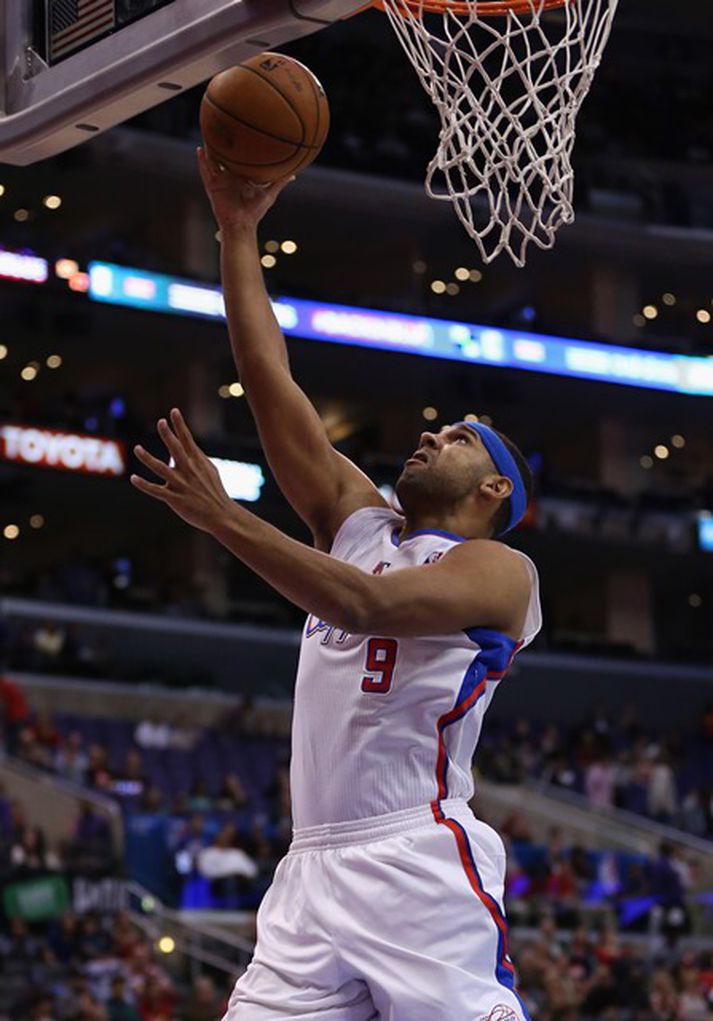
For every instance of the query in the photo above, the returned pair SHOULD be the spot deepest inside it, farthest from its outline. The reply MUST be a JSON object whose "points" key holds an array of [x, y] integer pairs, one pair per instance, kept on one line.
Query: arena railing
{"points": [[217, 946], [546, 805], [52, 801]]}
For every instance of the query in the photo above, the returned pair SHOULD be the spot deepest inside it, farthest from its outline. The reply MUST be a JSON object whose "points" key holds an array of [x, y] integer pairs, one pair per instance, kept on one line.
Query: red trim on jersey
{"points": [[459, 710], [468, 863], [444, 721]]}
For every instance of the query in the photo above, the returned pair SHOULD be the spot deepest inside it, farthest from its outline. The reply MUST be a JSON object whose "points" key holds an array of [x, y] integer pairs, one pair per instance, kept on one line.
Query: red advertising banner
{"points": [[74, 452]]}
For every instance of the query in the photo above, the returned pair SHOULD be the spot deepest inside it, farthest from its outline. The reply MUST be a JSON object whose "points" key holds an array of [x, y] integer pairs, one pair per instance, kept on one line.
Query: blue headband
{"points": [[505, 464]]}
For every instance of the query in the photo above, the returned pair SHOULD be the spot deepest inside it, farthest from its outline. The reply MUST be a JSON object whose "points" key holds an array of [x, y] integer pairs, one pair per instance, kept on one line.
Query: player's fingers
{"points": [[279, 186], [158, 467], [149, 488], [183, 432], [171, 441], [208, 168]]}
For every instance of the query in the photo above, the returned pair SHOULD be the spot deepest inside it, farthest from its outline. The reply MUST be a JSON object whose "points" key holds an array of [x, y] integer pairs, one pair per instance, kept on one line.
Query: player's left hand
{"points": [[191, 486]]}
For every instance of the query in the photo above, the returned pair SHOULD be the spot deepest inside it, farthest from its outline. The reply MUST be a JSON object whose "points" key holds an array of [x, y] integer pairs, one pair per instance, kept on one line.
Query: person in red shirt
{"points": [[157, 1001], [14, 710]]}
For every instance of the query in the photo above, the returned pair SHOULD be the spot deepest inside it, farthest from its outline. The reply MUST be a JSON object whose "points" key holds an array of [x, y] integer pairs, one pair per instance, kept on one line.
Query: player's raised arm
{"points": [[322, 485]]}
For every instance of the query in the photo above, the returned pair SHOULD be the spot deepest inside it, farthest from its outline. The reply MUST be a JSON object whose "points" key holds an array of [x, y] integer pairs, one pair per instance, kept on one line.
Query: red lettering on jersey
{"points": [[381, 660], [381, 566]]}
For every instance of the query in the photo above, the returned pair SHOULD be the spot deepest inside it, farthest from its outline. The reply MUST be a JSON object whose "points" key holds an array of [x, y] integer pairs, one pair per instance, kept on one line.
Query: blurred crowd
{"points": [[95, 967], [596, 975], [614, 761], [26, 852], [223, 830]]}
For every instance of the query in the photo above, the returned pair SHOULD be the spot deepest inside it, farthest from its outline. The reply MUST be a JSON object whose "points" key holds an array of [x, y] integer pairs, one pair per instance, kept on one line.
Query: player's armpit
{"points": [[480, 583]]}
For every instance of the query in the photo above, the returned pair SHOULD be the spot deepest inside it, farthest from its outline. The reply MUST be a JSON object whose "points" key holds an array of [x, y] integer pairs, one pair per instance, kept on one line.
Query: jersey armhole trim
{"points": [[371, 508]]}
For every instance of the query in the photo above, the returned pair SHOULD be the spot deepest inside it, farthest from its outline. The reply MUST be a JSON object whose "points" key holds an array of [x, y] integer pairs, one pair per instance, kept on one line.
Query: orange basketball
{"points": [[266, 118]]}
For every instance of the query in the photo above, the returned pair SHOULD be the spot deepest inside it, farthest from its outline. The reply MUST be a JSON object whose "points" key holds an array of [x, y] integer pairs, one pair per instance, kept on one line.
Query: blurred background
{"points": [[146, 677]]}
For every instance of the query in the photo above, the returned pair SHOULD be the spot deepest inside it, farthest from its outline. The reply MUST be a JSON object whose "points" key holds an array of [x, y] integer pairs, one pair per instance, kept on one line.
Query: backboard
{"points": [[70, 69]]}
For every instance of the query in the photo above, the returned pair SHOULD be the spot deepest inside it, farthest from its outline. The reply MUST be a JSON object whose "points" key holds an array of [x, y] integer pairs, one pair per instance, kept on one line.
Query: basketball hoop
{"points": [[508, 78]]}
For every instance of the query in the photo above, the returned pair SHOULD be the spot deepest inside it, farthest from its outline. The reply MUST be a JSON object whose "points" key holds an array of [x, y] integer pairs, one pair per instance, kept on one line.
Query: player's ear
{"points": [[495, 487]]}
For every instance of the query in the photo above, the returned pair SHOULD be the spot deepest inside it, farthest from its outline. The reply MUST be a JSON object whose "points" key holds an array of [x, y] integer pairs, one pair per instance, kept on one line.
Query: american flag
{"points": [[74, 23]]}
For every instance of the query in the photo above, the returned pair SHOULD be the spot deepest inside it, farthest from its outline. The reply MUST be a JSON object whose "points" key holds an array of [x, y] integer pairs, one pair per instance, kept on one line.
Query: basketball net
{"points": [[508, 79]]}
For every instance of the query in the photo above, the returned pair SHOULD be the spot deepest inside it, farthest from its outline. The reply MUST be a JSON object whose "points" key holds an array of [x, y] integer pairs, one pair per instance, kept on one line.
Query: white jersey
{"points": [[387, 724]]}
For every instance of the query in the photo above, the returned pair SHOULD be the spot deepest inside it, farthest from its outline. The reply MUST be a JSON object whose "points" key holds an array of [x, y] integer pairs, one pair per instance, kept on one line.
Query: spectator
{"points": [[30, 752], [71, 761], [43, 1009], [232, 796], [662, 796], [693, 1003], [599, 783], [663, 999], [5, 811], [581, 866], [29, 855], [192, 840], [90, 850], [82, 656], [515, 827], [98, 773], [141, 968], [120, 1006], [199, 797], [90, 1009], [667, 890], [64, 938], [48, 644], [693, 814], [130, 782], [157, 1001], [18, 819], [153, 733], [228, 866], [278, 794], [550, 744], [152, 800], [203, 1003], [94, 942], [125, 936], [19, 947], [601, 993], [14, 711], [44, 733]]}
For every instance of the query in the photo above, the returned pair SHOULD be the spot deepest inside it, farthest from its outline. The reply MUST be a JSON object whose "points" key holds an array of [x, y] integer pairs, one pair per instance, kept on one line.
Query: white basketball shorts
{"points": [[397, 917]]}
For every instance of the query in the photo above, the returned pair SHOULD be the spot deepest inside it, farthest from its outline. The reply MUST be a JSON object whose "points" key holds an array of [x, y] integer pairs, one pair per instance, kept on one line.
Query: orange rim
{"points": [[485, 8]]}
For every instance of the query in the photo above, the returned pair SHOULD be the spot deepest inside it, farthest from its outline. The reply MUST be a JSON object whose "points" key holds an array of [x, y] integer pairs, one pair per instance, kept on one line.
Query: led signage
{"points": [[435, 338], [73, 452]]}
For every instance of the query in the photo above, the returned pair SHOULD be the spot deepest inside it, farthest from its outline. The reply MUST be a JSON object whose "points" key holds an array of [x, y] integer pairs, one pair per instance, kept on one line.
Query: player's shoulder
{"points": [[488, 555]]}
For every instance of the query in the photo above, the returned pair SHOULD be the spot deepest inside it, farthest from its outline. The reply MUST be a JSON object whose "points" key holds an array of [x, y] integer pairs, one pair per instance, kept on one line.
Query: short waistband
{"points": [[375, 827]]}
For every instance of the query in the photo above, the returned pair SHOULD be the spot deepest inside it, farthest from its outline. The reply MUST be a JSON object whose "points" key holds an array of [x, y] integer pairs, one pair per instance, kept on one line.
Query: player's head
{"points": [[470, 467]]}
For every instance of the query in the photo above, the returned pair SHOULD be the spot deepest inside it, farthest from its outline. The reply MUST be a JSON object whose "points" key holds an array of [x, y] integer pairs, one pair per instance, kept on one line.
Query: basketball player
{"points": [[389, 903]]}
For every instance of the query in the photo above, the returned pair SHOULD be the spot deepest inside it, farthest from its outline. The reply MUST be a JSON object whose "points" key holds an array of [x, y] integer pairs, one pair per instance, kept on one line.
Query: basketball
{"points": [[264, 119]]}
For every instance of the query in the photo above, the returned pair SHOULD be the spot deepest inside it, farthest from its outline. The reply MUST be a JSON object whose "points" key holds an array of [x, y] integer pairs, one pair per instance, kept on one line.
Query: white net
{"points": [[508, 90]]}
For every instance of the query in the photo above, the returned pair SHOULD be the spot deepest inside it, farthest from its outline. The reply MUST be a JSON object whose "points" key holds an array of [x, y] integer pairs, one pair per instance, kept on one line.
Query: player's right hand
{"points": [[238, 205]]}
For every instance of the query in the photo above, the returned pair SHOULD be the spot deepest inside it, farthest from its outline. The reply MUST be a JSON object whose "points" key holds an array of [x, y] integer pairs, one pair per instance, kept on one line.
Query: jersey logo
{"points": [[501, 1012], [381, 566], [315, 626], [433, 557]]}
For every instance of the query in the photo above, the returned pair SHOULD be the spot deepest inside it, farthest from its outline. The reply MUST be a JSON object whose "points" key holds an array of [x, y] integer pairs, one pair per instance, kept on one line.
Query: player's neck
{"points": [[453, 524]]}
